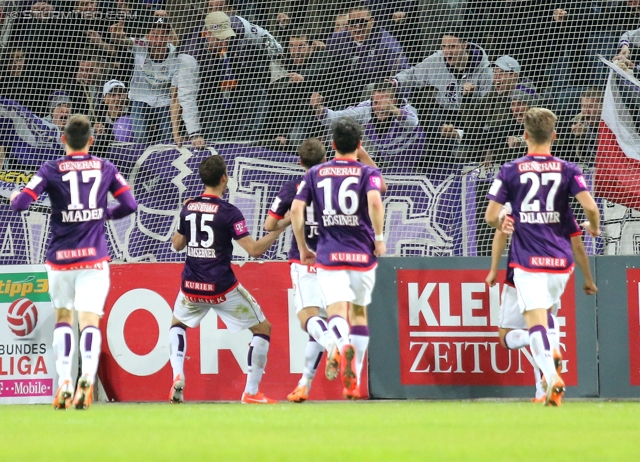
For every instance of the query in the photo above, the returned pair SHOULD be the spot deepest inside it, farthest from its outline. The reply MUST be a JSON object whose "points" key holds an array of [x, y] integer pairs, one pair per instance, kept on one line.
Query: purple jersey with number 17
{"points": [[77, 187], [338, 191], [539, 188]]}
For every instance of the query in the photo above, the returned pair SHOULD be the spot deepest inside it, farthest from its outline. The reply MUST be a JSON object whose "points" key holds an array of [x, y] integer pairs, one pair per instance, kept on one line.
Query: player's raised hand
{"points": [[592, 232], [380, 248], [491, 278]]}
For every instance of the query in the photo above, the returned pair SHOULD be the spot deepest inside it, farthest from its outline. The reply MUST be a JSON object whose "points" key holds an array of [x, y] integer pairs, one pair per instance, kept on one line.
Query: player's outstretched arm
{"points": [[21, 200], [257, 248], [497, 249], [582, 260], [492, 215], [126, 206], [591, 211], [179, 241], [376, 213]]}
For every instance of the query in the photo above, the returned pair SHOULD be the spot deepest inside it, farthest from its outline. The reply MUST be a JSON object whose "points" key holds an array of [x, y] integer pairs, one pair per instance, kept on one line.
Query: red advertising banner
{"points": [[449, 336], [134, 365], [633, 292]]}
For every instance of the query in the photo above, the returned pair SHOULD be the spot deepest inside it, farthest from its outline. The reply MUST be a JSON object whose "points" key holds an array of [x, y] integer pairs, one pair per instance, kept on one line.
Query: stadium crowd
{"points": [[435, 82]]}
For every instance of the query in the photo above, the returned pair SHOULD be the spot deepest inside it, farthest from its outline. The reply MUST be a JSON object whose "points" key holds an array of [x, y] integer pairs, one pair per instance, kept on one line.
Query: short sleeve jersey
{"points": [[77, 186], [282, 204], [210, 224], [338, 191], [539, 188]]}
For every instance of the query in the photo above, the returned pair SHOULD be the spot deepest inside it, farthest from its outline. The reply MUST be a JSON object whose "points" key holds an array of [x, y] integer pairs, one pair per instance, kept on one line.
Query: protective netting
{"points": [[439, 85]]}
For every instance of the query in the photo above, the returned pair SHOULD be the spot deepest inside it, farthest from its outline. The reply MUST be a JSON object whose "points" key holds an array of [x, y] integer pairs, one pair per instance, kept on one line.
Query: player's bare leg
{"points": [[90, 344], [359, 338], [542, 355], [339, 330], [257, 361], [63, 348], [319, 336], [177, 352]]}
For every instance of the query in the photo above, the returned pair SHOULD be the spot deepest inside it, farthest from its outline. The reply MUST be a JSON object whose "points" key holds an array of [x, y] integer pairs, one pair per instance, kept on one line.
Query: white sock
{"points": [[359, 338], [90, 343], [177, 349], [257, 360], [312, 356], [541, 351], [339, 328], [553, 331], [63, 347], [516, 339], [317, 328], [538, 376]]}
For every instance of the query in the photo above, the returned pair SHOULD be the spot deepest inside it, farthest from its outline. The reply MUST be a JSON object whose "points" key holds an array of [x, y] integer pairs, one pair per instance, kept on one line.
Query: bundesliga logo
{"points": [[22, 317]]}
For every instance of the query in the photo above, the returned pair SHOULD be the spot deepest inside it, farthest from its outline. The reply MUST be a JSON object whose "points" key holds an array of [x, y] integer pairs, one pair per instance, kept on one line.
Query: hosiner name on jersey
{"points": [[78, 216], [539, 217], [340, 220]]}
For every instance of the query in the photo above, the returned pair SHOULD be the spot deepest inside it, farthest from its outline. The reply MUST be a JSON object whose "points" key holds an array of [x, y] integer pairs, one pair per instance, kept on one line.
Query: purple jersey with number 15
{"points": [[338, 191], [539, 188], [210, 224], [77, 187]]}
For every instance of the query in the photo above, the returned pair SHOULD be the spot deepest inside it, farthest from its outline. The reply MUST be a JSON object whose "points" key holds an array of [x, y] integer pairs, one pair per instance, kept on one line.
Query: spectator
{"points": [[59, 110], [584, 128], [363, 54], [289, 121], [184, 106], [235, 70], [115, 122], [457, 74], [156, 64], [393, 130], [14, 82], [85, 91]]}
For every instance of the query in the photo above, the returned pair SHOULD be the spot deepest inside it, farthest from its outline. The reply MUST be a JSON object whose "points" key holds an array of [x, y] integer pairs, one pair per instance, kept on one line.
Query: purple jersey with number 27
{"points": [[338, 190], [539, 188], [77, 187]]}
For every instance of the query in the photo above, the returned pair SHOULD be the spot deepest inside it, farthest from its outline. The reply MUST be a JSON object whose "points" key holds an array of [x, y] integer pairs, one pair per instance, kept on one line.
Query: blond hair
{"points": [[539, 123]]}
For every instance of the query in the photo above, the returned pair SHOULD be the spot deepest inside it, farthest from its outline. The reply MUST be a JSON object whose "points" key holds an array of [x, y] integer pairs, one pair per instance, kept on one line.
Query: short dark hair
{"points": [[360, 5], [299, 33], [77, 131], [384, 87], [312, 152], [347, 134], [454, 29], [211, 170]]}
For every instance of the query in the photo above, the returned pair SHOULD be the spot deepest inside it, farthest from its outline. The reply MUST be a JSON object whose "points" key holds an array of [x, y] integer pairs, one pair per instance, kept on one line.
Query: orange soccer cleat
{"points": [[555, 391], [176, 394], [348, 367], [258, 398], [299, 395], [353, 394], [84, 393], [539, 399], [63, 396], [333, 364]]}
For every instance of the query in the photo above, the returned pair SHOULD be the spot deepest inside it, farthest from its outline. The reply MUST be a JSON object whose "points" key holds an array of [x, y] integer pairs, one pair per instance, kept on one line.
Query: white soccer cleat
{"points": [[176, 394]]}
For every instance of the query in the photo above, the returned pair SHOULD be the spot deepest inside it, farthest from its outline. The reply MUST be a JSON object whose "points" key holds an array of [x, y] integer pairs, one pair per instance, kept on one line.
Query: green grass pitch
{"points": [[330, 431]]}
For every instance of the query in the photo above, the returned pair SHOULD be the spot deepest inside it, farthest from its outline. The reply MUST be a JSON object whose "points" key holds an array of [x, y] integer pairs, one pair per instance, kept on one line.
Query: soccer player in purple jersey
{"points": [[539, 186], [512, 327], [346, 198], [208, 226], [309, 303], [77, 259]]}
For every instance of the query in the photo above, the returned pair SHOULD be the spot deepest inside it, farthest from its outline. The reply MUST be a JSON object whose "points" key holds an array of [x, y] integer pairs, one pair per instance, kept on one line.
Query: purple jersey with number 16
{"points": [[338, 191], [77, 187], [210, 224], [539, 188]]}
